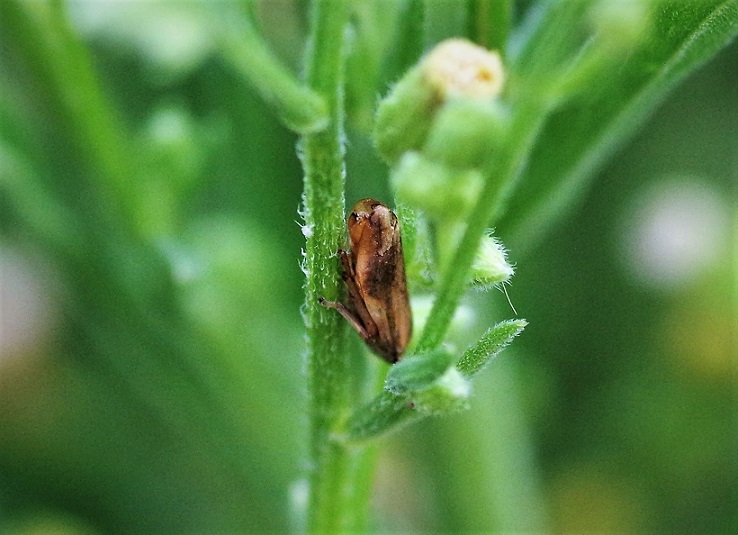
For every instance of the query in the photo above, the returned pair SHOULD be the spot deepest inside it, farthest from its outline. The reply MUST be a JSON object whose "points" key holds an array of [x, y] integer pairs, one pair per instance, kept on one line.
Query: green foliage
{"points": [[147, 197], [489, 346], [418, 372], [608, 101]]}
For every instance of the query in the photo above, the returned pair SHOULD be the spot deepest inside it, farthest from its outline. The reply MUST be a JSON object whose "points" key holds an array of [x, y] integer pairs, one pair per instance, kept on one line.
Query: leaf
{"points": [[417, 372], [417, 386], [489, 346], [449, 393], [583, 132], [385, 412]]}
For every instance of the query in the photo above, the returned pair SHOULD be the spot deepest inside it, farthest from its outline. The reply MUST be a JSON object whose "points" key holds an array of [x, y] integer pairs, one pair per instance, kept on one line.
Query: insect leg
{"points": [[351, 317], [356, 302]]}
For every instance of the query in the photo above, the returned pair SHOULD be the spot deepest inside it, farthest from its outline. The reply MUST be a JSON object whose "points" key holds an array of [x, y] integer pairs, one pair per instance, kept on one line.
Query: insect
{"points": [[377, 303]]}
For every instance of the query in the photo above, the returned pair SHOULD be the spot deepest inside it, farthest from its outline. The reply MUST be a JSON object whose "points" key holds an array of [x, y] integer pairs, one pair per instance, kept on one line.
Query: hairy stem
{"points": [[329, 373]]}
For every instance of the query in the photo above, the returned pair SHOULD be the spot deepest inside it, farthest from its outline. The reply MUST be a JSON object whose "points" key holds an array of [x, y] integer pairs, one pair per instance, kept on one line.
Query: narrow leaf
{"points": [[584, 132], [385, 412], [417, 372], [489, 346]]}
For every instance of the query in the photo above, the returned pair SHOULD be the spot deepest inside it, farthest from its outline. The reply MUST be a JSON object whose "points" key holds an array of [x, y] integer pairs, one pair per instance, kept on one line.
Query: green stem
{"points": [[299, 107], [360, 489], [386, 411], [329, 373], [410, 40], [507, 167]]}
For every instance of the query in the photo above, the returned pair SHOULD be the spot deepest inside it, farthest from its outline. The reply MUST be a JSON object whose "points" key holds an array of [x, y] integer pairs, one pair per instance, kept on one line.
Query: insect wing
{"points": [[379, 277]]}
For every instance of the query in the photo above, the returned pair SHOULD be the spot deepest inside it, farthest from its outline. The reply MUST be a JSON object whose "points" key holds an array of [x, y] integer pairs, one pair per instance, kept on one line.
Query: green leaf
{"points": [[418, 372], [445, 393], [417, 386], [618, 97], [449, 393], [489, 346], [387, 411]]}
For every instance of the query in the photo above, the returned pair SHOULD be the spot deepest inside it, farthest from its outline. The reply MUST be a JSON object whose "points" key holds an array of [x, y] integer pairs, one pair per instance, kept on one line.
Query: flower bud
{"points": [[490, 266], [439, 192], [465, 133], [454, 69], [404, 116], [458, 68]]}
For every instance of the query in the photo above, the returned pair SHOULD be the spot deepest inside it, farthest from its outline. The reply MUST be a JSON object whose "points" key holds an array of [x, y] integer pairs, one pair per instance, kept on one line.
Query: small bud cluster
{"points": [[440, 129], [444, 107]]}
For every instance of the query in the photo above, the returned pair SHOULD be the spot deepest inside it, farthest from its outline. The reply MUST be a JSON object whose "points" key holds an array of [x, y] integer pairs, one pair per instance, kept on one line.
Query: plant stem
{"points": [[410, 40], [329, 374], [299, 108], [488, 22], [507, 167]]}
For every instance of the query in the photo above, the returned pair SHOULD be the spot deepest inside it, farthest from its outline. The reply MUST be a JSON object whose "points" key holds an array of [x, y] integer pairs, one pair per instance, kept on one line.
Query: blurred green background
{"points": [[151, 350]]}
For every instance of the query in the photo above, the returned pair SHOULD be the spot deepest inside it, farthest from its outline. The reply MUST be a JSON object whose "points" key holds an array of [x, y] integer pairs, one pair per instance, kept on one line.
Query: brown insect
{"points": [[377, 304]]}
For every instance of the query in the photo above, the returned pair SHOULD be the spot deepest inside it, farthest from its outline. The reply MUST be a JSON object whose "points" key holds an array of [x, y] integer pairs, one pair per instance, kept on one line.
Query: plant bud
{"points": [[490, 265], [460, 69], [465, 134], [454, 69], [439, 192], [404, 116]]}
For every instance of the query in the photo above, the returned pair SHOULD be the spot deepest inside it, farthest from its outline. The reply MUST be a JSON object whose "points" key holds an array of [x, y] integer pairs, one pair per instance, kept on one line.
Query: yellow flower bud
{"points": [[457, 68]]}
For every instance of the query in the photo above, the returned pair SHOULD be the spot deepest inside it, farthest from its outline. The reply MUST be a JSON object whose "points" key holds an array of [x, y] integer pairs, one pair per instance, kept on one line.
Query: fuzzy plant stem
{"points": [[328, 371]]}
